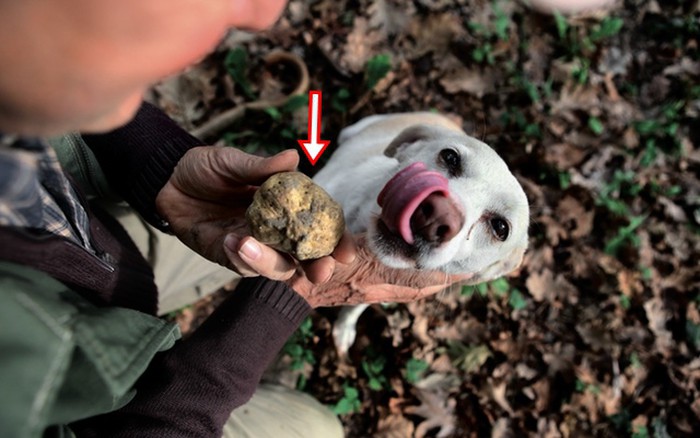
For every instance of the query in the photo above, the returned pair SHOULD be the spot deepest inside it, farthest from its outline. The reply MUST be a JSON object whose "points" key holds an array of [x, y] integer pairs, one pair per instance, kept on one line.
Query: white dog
{"points": [[428, 196]]}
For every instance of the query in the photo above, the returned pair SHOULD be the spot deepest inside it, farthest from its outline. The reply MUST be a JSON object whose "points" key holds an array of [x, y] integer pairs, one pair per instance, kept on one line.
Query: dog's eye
{"points": [[500, 228], [452, 161]]}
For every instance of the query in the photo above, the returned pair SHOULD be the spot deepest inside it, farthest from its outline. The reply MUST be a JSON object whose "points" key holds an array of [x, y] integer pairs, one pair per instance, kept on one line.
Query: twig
{"points": [[220, 122]]}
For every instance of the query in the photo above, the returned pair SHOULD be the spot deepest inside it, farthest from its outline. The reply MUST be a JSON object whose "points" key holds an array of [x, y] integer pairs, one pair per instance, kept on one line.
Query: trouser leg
{"points": [[182, 275]]}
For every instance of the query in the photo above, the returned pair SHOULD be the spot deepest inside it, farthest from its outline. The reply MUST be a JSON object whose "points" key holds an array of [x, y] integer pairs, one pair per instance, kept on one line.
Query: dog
{"points": [[429, 196]]}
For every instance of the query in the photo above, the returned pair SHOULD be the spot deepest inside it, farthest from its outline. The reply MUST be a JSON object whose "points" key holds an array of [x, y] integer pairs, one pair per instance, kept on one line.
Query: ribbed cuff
{"points": [[279, 296]]}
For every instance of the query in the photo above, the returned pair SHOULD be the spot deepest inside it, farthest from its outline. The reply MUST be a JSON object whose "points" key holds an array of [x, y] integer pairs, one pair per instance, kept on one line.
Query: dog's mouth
{"points": [[404, 193]]}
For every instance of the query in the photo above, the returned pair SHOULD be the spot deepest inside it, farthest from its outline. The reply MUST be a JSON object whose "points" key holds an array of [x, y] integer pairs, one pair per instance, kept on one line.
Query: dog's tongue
{"points": [[402, 195]]}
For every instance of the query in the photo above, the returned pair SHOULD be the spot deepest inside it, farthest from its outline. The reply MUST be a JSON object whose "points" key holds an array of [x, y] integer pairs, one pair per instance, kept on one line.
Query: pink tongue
{"points": [[402, 195]]}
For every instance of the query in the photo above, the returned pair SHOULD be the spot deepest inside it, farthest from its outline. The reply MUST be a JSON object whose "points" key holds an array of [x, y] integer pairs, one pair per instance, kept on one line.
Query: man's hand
{"points": [[205, 202], [367, 280]]}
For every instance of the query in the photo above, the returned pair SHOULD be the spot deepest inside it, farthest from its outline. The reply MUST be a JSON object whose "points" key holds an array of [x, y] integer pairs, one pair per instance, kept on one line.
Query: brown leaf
{"points": [[542, 389], [553, 229], [394, 426], [360, 46], [564, 155], [434, 34], [502, 429], [185, 97], [579, 219], [658, 316], [538, 259], [437, 410], [539, 49], [468, 81], [498, 393], [543, 286], [390, 18], [548, 429]]}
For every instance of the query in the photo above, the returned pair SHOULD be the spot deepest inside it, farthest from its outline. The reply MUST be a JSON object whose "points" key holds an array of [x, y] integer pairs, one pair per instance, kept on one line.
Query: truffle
{"points": [[292, 214]]}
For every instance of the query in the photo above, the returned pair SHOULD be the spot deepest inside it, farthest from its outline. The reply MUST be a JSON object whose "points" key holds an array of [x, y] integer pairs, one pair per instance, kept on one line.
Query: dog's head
{"points": [[451, 205]]}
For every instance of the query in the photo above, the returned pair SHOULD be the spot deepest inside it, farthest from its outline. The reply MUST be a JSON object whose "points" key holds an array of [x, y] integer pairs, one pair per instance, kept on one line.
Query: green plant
{"points": [[582, 386], [340, 100], [564, 180], [595, 125], [468, 357], [298, 348], [581, 43], [514, 116], [281, 129], [692, 331], [498, 29], [639, 431], [625, 235], [621, 185], [625, 301], [484, 53], [377, 67], [517, 300], [634, 360], [660, 135], [500, 288], [415, 368], [236, 64], [373, 367], [350, 402]]}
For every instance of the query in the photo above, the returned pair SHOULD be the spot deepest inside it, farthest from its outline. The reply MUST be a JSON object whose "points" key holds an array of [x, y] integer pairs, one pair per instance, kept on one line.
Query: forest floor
{"points": [[598, 332]]}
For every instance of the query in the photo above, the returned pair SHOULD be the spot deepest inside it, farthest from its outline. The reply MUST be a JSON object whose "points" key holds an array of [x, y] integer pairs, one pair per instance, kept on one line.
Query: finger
{"points": [[346, 250], [389, 293], [259, 258], [251, 169], [235, 262], [319, 271]]}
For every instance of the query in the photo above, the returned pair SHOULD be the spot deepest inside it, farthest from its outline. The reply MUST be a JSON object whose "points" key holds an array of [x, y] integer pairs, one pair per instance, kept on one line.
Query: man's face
{"points": [[85, 64]]}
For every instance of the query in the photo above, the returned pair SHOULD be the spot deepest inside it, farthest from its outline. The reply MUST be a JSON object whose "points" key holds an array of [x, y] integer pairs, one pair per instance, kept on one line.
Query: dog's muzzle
{"points": [[416, 203]]}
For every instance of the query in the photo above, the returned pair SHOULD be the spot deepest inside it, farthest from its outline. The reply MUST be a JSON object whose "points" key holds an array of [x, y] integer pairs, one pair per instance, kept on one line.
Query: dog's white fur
{"points": [[373, 150]]}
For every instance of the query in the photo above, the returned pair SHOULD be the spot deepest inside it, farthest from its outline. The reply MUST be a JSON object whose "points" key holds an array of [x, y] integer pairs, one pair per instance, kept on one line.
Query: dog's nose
{"points": [[437, 220]]}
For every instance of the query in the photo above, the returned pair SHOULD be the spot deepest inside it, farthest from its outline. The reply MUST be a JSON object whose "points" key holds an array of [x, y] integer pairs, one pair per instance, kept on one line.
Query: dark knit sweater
{"points": [[191, 389]]}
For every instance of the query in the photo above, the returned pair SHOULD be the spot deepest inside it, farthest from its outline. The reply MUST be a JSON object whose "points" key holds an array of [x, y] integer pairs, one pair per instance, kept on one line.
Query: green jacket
{"points": [[55, 367]]}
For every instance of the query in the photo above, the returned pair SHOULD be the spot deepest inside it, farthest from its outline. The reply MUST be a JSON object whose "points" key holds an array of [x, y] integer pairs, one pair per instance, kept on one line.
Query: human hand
{"points": [[366, 280], [205, 202]]}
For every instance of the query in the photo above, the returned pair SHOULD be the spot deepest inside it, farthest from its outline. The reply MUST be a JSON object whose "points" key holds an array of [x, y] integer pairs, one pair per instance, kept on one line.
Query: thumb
{"points": [[251, 169]]}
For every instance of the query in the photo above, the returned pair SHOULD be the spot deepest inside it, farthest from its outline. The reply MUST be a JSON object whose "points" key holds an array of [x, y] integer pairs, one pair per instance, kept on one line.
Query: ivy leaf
{"points": [[596, 125], [516, 300], [236, 63], [377, 67], [562, 24], [415, 369]]}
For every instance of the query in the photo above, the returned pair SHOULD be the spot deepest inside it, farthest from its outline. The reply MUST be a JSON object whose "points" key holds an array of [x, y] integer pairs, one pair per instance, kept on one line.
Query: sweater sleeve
{"points": [[192, 389], [139, 157]]}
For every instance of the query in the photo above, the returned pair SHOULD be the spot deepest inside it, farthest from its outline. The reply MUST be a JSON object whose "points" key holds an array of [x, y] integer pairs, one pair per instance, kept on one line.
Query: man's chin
{"points": [[35, 125], [112, 120]]}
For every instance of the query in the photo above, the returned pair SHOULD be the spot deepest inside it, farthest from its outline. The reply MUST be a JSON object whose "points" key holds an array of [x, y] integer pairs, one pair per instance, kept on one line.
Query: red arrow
{"points": [[313, 147]]}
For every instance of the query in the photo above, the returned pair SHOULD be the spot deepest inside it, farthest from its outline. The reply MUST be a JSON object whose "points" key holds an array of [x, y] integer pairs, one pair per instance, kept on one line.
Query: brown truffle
{"points": [[292, 214]]}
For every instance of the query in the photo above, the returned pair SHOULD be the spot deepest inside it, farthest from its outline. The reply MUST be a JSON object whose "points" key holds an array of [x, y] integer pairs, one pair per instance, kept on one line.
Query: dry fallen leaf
{"points": [[438, 412], [360, 45], [658, 316], [394, 426], [468, 81]]}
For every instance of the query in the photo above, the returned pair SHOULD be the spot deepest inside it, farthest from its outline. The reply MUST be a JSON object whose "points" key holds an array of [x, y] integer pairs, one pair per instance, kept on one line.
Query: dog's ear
{"points": [[408, 136]]}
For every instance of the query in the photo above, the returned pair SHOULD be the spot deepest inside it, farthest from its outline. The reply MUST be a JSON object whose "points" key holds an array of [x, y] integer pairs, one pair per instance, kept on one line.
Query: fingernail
{"points": [[251, 250], [231, 242]]}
